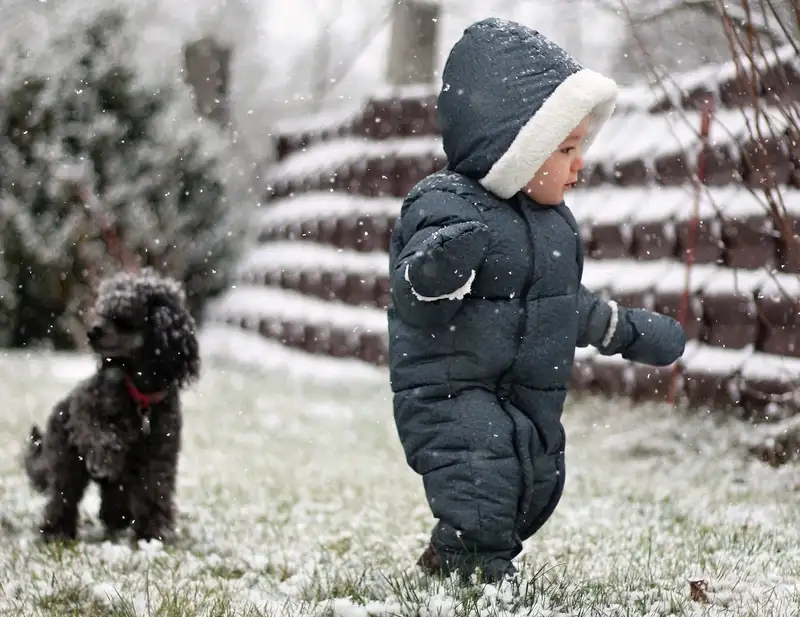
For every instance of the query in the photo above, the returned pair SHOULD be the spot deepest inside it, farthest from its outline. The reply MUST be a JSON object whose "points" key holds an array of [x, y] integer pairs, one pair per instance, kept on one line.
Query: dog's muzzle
{"points": [[97, 473]]}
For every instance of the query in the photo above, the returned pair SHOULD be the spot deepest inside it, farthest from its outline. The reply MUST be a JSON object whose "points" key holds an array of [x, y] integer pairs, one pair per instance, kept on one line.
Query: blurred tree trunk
{"points": [[413, 44], [207, 65]]}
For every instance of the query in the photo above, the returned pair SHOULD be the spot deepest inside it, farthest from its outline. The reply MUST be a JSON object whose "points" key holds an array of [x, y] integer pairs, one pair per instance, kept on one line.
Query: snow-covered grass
{"points": [[296, 500]]}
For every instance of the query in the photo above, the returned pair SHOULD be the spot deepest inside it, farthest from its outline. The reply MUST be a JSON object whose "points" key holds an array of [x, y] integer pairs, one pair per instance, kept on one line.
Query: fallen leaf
{"points": [[698, 590]]}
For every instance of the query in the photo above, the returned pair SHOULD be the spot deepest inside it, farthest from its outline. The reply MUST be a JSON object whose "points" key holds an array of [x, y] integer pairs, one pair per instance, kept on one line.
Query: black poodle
{"points": [[121, 427]]}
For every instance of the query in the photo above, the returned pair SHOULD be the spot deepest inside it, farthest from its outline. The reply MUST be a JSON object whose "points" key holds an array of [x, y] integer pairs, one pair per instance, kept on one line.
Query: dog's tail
{"points": [[35, 465]]}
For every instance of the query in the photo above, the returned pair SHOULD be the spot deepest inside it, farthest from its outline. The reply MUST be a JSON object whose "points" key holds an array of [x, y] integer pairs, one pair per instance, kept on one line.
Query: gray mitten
{"points": [[643, 336], [447, 260]]}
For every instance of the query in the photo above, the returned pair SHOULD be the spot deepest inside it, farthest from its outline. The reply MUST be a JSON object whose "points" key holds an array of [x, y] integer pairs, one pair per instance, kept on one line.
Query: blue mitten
{"points": [[643, 336], [446, 261]]}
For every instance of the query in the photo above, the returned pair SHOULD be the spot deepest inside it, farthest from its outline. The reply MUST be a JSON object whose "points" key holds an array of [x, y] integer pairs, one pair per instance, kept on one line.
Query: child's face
{"points": [[559, 173]]}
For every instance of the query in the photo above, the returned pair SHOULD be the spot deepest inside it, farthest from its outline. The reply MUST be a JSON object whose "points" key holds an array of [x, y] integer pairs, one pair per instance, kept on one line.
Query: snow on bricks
{"points": [[726, 307], [330, 300], [778, 77], [301, 321], [319, 282], [735, 227], [394, 113], [634, 149], [411, 110]]}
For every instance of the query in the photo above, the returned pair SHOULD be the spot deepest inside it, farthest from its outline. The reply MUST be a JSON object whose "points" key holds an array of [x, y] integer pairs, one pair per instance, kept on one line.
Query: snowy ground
{"points": [[296, 499]]}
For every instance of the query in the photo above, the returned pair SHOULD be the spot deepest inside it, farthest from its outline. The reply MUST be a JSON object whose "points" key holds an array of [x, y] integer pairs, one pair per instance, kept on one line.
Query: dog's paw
{"points": [[165, 536], [49, 534]]}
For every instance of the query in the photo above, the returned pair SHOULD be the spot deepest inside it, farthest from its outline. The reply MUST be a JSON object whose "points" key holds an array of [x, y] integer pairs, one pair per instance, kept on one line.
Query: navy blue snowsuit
{"points": [[487, 305]]}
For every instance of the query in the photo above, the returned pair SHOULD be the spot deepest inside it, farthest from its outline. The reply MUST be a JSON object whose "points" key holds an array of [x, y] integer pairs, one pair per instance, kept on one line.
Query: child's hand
{"points": [[648, 337], [446, 261]]}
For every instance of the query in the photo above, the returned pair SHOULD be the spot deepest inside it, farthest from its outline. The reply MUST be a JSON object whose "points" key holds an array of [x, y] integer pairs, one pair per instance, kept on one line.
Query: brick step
{"points": [[749, 384], [371, 168], [409, 111], [346, 276], [732, 308], [305, 322], [733, 228], [729, 84], [636, 149], [321, 339], [403, 112], [755, 385]]}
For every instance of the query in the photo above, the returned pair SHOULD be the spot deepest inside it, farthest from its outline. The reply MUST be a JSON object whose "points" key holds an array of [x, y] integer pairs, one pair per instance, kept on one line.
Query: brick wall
{"points": [[318, 280]]}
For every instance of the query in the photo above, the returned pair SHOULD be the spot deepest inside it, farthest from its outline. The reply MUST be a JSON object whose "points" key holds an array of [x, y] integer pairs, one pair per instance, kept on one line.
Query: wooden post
{"points": [[413, 44]]}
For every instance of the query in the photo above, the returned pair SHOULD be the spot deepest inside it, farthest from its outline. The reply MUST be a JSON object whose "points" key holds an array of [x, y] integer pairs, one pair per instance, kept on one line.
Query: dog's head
{"points": [[141, 321]]}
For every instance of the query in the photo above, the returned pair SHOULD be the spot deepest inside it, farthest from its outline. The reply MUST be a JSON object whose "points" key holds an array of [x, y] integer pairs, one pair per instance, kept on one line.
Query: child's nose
{"points": [[577, 164]]}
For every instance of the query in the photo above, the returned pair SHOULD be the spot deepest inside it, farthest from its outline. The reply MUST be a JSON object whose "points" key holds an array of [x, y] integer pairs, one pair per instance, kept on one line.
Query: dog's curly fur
{"points": [[144, 336]]}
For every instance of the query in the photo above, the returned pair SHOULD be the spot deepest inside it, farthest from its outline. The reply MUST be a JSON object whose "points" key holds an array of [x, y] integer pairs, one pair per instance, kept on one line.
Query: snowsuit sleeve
{"points": [[438, 244], [636, 334]]}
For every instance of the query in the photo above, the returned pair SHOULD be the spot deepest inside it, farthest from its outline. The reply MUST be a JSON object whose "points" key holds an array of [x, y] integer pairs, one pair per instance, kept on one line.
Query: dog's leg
{"points": [[68, 484], [115, 511], [66, 475], [153, 480], [153, 469], [34, 463], [152, 502]]}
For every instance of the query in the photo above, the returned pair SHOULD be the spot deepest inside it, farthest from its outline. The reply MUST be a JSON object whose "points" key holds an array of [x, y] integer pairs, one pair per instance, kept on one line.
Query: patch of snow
{"points": [[330, 120], [764, 366], [64, 367], [320, 205], [716, 360], [257, 302], [643, 97], [279, 256], [707, 207], [618, 276], [674, 280], [780, 285], [599, 274], [732, 281], [608, 205], [644, 136], [221, 343], [660, 204], [272, 518], [409, 91], [330, 156], [644, 276], [604, 204]]}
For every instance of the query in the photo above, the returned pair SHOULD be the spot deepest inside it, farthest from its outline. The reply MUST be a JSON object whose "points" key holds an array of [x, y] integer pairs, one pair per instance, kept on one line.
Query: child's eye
{"points": [[568, 150]]}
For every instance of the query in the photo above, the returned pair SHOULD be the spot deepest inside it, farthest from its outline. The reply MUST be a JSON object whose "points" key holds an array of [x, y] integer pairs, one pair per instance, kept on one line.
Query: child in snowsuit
{"points": [[487, 305]]}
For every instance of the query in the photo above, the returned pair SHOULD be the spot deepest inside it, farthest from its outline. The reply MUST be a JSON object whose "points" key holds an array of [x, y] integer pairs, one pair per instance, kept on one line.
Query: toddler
{"points": [[487, 305]]}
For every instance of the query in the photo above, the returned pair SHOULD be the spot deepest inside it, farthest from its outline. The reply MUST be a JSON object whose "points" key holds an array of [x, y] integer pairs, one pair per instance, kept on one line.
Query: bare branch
{"points": [[770, 8], [656, 11]]}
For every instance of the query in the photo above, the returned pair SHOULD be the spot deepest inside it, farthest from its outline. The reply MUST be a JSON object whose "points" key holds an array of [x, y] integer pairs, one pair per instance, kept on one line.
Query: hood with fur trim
{"points": [[509, 98]]}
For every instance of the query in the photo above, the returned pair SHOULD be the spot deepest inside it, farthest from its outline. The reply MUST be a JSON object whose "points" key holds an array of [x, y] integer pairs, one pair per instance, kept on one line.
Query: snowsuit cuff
{"points": [[458, 294]]}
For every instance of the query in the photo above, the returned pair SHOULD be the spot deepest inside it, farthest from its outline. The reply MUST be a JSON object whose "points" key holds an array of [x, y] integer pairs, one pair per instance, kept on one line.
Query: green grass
{"points": [[295, 499]]}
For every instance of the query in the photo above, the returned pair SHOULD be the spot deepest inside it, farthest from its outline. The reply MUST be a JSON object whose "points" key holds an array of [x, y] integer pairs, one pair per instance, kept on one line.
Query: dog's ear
{"points": [[175, 345]]}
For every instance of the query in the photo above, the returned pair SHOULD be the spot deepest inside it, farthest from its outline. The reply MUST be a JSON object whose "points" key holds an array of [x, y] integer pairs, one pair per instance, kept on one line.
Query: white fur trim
{"points": [[458, 294], [612, 324], [582, 93]]}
